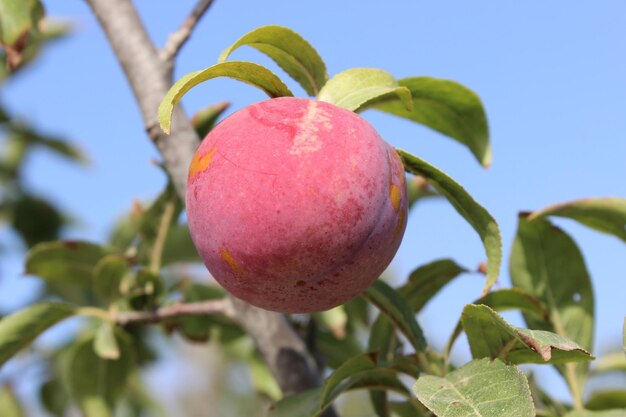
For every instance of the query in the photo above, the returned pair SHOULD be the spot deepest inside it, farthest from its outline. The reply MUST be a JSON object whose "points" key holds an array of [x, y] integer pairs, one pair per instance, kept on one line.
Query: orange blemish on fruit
{"points": [[400, 224], [396, 196], [200, 162], [227, 257]]}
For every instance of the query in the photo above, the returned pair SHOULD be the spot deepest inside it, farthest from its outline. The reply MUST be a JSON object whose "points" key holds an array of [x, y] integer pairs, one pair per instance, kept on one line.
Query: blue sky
{"points": [[551, 76]]}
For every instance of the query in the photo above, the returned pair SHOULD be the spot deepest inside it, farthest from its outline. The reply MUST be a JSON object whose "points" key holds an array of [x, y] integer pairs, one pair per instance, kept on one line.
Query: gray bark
{"points": [[148, 76]]}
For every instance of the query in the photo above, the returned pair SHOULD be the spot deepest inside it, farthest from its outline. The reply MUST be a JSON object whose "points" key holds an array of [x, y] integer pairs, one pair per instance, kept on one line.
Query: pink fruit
{"points": [[296, 205]]}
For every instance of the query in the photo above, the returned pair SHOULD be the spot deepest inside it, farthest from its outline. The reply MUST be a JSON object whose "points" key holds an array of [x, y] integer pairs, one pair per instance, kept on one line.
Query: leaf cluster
{"points": [[374, 342]]}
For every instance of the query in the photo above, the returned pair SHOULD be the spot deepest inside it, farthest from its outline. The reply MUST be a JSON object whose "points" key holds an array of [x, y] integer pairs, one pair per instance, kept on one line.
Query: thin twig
{"points": [[201, 308], [177, 39]]}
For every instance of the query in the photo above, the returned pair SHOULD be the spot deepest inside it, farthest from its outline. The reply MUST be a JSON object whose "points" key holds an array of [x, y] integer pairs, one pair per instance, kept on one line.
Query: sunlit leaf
{"points": [[449, 108], [607, 215], [489, 335], [19, 329], [482, 388], [9, 404], [105, 343], [50, 31], [290, 51], [357, 88], [247, 72], [334, 320], [68, 262], [474, 213], [19, 20]]}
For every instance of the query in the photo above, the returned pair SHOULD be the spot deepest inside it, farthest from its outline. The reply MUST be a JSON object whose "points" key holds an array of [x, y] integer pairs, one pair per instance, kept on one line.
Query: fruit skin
{"points": [[296, 205]]}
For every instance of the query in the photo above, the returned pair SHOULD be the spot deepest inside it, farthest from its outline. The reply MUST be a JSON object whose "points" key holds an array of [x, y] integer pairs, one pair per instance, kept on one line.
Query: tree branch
{"points": [[222, 305], [177, 39], [282, 349]]}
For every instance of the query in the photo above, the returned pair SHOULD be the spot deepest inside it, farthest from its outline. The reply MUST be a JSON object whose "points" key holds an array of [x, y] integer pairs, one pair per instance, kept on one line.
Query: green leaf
{"points": [[611, 362], [179, 247], [247, 72], [392, 305], [18, 20], [51, 31], [337, 351], [357, 373], [202, 328], [606, 215], [482, 388], [108, 274], [449, 108], [19, 329], [474, 213], [380, 403], [155, 226], [544, 403], [546, 263], [353, 366], [501, 300], [406, 409], [262, 378], [35, 219], [334, 320], [606, 400], [204, 120], [423, 284], [59, 146], [142, 289], [587, 413], [54, 397], [96, 383], [67, 262], [290, 51], [489, 335], [105, 343], [9, 404], [303, 404], [427, 280], [357, 88]]}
